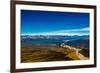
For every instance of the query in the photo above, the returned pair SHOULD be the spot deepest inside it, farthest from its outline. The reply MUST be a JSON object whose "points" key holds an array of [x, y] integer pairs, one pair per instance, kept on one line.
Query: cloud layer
{"points": [[80, 32]]}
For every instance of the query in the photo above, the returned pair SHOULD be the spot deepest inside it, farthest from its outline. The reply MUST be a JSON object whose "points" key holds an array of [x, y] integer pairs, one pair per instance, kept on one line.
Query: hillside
{"points": [[82, 44], [54, 48]]}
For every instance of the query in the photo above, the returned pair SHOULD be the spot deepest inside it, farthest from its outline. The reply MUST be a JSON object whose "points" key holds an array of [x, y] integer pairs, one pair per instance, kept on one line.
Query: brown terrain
{"points": [[74, 53], [50, 52]]}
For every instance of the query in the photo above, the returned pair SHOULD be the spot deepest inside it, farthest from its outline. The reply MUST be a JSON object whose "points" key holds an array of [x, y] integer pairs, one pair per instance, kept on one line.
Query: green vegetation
{"points": [[47, 52], [42, 53]]}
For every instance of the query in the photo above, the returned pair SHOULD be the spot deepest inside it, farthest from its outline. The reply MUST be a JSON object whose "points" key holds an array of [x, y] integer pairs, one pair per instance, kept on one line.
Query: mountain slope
{"points": [[82, 44]]}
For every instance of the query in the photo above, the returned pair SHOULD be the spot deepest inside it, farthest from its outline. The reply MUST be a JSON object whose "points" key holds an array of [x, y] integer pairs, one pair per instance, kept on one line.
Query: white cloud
{"points": [[74, 30], [70, 32], [85, 29]]}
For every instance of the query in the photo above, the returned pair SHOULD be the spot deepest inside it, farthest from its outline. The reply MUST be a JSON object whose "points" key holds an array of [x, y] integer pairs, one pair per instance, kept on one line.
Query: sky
{"points": [[53, 23]]}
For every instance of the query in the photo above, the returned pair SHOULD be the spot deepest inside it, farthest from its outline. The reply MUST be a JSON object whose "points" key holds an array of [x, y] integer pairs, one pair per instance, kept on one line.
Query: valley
{"points": [[53, 51]]}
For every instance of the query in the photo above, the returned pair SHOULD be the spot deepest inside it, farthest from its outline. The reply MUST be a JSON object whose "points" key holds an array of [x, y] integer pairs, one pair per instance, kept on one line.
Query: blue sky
{"points": [[53, 23]]}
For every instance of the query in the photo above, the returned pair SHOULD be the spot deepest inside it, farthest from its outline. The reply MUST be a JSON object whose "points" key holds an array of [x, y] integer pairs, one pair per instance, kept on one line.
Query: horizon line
{"points": [[58, 34]]}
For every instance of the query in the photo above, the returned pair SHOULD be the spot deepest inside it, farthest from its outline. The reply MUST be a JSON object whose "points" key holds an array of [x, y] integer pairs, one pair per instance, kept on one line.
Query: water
{"points": [[55, 39]]}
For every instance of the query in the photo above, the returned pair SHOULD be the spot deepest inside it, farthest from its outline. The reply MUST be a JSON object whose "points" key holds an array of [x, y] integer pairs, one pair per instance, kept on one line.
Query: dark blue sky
{"points": [[36, 22]]}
